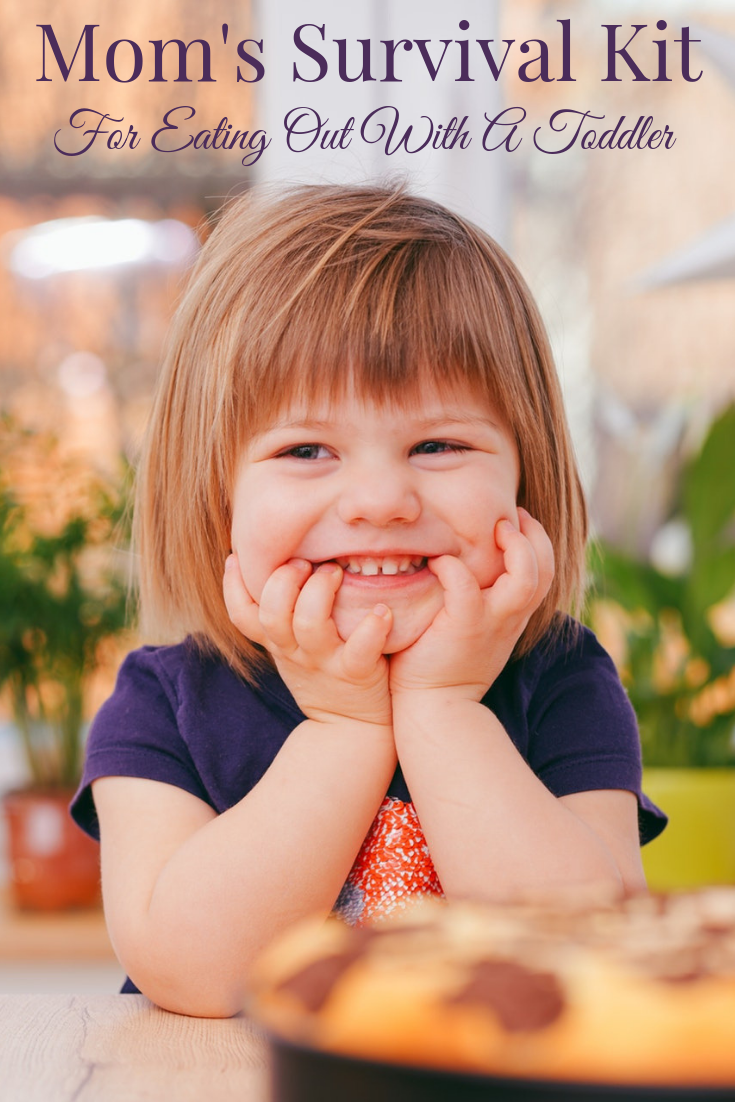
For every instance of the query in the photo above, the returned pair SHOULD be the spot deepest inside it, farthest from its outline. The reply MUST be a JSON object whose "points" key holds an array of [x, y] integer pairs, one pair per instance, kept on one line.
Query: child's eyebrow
{"points": [[301, 423], [483, 421], [425, 424]]}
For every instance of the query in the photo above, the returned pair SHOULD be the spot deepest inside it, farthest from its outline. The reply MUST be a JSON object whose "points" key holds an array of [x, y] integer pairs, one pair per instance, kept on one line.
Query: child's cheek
{"points": [[486, 560]]}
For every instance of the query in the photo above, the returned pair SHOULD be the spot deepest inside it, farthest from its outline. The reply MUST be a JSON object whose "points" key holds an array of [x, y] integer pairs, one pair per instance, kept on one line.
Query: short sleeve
{"points": [[583, 729], [136, 734]]}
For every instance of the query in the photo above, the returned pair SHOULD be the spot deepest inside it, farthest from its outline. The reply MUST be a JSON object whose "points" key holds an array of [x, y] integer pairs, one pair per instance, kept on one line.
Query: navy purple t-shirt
{"points": [[187, 719]]}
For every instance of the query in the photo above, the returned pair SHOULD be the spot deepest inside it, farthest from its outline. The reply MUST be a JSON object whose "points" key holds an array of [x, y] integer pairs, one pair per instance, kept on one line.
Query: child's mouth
{"points": [[372, 566]]}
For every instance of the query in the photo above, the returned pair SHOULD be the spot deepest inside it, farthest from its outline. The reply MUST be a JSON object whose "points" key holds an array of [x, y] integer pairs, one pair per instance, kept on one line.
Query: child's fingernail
{"points": [[328, 568], [230, 562], [506, 526], [300, 564], [382, 611]]}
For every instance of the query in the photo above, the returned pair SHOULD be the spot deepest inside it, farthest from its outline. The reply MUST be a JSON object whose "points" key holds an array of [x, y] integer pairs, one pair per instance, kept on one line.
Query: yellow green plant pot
{"points": [[698, 845]]}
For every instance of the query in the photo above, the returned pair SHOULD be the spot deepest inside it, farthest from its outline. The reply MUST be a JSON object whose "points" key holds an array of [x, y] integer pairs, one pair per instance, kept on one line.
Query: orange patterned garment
{"points": [[393, 866]]}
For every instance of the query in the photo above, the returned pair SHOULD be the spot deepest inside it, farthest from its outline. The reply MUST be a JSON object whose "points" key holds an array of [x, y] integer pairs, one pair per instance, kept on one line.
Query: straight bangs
{"points": [[320, 293], [382, 319]]}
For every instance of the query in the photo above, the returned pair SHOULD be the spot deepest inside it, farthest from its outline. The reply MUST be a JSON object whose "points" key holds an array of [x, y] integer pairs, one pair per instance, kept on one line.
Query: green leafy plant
{"points": [[677, 666], [61, 598]]}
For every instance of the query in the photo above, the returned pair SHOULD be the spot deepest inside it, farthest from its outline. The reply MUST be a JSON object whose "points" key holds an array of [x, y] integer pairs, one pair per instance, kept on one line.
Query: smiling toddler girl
{"points": [[361, 524]]}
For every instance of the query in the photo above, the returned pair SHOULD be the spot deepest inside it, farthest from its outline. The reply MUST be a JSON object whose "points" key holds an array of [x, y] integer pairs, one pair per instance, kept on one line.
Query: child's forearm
{"points": [[284, 851], [493, 829]]}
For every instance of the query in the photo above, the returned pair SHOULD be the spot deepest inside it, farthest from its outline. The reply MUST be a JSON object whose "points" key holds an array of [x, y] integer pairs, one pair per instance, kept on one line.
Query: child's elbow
{"points": [[195, 1006], [175, 974], [190, 995], [184, 984]]}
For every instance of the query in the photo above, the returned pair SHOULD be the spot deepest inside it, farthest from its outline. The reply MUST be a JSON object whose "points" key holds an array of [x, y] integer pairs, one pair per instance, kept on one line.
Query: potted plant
{"points": [[61, 603], [676, 656]]}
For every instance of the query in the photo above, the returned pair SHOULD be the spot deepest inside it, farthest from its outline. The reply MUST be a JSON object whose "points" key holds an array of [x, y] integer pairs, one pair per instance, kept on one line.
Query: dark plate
{"points": [[301, 1074]]}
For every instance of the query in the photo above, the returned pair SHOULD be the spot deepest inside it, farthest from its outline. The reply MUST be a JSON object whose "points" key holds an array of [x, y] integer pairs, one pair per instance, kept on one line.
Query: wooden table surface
{"points": [[121, 1048]]}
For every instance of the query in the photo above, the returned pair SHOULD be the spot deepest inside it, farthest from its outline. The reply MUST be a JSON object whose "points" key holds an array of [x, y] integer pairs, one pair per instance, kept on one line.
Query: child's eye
{"points": [[438, 447], [306, 451]]}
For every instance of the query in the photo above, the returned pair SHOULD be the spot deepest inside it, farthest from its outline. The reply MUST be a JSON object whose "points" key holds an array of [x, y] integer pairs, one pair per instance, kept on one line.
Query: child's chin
{"points": [[405, 631]]}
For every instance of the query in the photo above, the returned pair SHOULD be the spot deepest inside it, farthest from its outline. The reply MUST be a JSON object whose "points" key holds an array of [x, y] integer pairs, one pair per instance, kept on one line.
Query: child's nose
{"points": [[380, 496]]}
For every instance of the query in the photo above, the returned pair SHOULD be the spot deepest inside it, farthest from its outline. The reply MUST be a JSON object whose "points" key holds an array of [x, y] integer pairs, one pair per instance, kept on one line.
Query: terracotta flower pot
{"points": [[53, 864]]}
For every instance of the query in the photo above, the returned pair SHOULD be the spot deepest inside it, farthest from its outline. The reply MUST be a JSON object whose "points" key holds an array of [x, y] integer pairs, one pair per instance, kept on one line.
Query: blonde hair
{"points": [[297, 296]]}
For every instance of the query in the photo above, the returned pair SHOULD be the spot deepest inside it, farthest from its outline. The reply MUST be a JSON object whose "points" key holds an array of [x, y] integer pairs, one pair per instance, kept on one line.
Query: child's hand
{"points": [[329, 678], [473, 635]]}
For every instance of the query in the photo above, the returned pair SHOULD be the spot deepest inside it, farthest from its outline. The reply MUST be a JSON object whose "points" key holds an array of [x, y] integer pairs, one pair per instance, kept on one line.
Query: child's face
{"points": [[379, 490]]}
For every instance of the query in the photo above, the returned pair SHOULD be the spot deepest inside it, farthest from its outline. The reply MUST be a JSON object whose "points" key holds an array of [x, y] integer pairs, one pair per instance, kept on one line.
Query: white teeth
{"points": [[390, 565]]}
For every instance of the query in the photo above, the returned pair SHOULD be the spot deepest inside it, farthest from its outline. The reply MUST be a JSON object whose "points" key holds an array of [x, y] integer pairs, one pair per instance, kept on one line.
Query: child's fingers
{"points": [[365, 645], [536, 535], [538, 554], [516, 588], [241, 608], [462, 593], [278, 601], [528, 558], [313, 627]]}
